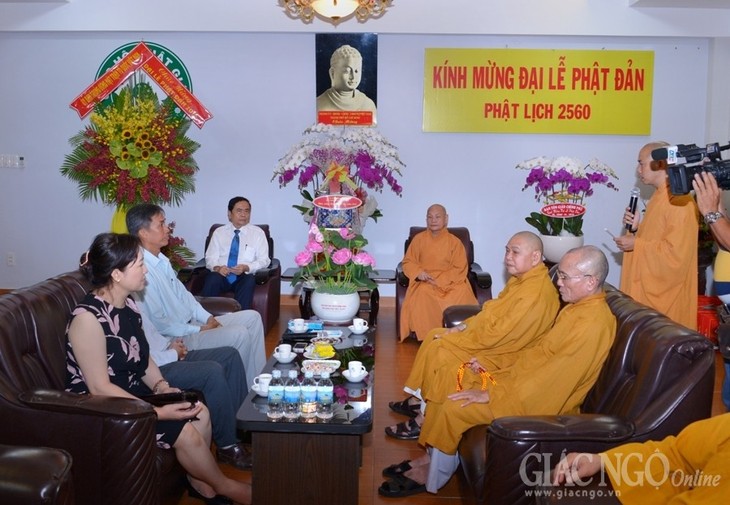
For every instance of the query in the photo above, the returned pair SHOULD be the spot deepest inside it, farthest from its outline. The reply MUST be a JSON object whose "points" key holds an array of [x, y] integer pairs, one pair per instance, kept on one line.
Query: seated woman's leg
{"points": [[192, 449]]}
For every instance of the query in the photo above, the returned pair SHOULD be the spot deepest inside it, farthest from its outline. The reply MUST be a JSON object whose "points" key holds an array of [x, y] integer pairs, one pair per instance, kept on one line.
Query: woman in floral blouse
{"points": [[108, 354]]}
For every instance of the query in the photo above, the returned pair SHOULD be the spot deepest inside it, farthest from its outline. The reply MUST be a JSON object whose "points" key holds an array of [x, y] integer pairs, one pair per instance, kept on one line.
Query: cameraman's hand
{"points": [[707, 192]]}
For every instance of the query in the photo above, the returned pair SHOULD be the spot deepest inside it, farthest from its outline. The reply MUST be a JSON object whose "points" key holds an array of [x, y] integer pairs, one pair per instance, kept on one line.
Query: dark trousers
{"points": [[219, 374], [242, 288]]}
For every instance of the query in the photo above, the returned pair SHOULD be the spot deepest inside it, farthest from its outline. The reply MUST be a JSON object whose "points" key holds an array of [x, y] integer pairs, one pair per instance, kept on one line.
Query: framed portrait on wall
{"points": [[347, 76]]}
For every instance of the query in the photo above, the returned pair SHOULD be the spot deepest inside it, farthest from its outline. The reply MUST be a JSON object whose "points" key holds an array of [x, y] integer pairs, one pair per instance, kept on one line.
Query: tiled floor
{"points": [[379, 451]]}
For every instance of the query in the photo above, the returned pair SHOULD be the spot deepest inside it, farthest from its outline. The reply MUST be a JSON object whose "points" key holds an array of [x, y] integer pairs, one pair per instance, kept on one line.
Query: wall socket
{"points": [[12, 161], [10, 259]]}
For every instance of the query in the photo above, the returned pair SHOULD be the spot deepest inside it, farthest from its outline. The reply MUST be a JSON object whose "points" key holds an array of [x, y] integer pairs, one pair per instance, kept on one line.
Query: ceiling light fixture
{"points": [[335, 11]]}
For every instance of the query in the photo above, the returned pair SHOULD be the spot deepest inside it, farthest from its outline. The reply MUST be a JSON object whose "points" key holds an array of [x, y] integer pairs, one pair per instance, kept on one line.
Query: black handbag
{"points": [[168, 398]]}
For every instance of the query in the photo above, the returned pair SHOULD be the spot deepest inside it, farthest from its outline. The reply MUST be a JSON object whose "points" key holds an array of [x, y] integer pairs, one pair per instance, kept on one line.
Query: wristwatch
{"points": [[712, 217]]}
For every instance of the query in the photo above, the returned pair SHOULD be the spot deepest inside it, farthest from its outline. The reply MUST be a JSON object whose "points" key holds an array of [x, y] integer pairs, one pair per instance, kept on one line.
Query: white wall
{"points": [[260, 88]]}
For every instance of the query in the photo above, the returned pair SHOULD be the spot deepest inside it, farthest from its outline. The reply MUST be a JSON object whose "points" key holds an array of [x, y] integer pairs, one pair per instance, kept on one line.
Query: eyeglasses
{"points": [[564, 277]]}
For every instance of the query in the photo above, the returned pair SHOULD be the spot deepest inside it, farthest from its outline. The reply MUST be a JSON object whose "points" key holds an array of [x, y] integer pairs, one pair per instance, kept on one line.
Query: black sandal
{"points": [[394, 471], [400, 486], [410, 430], [405, 407]]}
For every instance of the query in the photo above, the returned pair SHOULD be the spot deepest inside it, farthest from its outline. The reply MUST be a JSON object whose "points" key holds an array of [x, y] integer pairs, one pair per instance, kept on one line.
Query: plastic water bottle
{"points": [[325, 396], [308, 398], [291, 396], [276, 396]]}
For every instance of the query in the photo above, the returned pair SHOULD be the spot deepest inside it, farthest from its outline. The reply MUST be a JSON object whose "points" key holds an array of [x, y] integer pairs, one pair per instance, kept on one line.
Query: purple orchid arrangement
{"points": [[341, 160], [562, 185]]}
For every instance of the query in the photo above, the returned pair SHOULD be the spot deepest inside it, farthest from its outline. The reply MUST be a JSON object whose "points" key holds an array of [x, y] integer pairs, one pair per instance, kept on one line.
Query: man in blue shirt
{"points": [[175, 312]]}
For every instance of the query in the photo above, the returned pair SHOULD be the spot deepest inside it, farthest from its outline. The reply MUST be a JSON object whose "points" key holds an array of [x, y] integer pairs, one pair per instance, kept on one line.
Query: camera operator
{"points": [[659, 267], [709, 201]]}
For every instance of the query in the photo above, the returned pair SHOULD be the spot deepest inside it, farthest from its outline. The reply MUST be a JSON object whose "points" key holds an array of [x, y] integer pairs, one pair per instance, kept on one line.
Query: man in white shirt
{"points": [[175, 312], [232, 265], [218, 374]]}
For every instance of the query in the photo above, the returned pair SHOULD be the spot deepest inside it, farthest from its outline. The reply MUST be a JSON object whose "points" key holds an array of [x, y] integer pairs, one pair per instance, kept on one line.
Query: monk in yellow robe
{"points": [[660, 260], [436, 266], [551, 377], [693, 467], [525, 308]]}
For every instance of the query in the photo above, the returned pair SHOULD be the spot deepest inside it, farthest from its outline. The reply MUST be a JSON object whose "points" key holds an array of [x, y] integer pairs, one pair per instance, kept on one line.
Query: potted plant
{"points": [[350, 160], [335, 265], [562, 185]]}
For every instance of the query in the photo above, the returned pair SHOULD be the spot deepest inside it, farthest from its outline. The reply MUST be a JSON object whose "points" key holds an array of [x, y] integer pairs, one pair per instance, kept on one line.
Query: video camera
{"points": [[696, 160]]}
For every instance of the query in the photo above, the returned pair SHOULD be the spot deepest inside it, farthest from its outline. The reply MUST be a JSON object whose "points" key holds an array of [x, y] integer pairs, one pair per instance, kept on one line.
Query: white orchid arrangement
{"points": [[341, 159]]}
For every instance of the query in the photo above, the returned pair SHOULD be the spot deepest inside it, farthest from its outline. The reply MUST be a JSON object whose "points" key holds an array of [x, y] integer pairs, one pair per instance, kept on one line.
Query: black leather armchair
{"points": [[35, 476], [111, 440], [657, 379], [481, 281], [267, 294]]}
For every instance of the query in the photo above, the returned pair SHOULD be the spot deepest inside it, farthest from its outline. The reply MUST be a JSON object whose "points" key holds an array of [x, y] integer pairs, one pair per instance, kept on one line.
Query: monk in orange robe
{"points": [[692, 467], [551, 377], [660, 260], [436, 266], [525, 308]]}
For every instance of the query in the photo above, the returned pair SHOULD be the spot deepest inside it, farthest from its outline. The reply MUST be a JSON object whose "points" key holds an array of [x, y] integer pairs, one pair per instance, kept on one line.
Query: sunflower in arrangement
{"points": [[134, 150]]}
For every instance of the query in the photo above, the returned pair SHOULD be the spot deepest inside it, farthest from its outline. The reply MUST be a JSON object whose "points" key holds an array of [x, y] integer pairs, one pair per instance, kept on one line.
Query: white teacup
{"points": [[299, 325], [356, 369], [262, 382], [359, 341], [360, 324], [283, 350]]}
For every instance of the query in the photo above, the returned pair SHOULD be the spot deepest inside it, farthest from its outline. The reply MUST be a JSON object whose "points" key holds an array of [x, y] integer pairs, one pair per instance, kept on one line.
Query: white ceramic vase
{"points": [[554, 247], [335, 308]]}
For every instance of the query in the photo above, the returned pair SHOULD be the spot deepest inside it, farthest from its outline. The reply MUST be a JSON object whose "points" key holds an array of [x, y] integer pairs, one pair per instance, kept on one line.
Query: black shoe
{"points": [[237, 456], [218, 499], [409, 430]]}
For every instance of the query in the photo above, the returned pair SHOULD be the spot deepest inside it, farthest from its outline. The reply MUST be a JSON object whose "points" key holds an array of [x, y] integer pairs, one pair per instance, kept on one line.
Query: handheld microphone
{"points": [[633, 202]]}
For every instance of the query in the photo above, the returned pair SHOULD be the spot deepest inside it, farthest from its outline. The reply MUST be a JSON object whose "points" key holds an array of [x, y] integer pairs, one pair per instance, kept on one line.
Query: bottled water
{"points": [[324, 396], [291, 396], [308, 398], [276, 396]]}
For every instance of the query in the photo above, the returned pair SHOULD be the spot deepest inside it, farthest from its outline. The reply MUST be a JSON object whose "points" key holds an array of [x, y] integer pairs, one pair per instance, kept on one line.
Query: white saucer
{"points": [[359, 378], [356, 331], [255, 387], [288, 359], [291, 329]]}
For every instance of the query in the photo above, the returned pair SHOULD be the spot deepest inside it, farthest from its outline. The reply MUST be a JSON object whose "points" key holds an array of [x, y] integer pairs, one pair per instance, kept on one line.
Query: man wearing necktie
{"points": [[235, 252]]}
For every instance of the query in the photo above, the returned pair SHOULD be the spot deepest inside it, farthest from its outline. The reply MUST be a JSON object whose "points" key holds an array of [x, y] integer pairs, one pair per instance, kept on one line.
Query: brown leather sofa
{"points": [[267, 293], [481, 281], [657, 379], [111, 440], [35, 476]]}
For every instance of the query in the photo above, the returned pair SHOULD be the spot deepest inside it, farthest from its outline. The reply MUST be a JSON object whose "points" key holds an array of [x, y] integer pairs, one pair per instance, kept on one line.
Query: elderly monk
{"points": [[436, 265], [660, 259], [692, 467], [523, 310], [551, 377]]}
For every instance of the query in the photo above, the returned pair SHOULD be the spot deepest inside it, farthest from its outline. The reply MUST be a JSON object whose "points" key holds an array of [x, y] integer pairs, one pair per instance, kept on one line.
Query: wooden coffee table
{"points": [[310, 462]]}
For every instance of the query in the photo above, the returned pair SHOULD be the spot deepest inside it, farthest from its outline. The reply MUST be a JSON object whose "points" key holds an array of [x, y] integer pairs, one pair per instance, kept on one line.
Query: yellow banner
{"points": [[538, 91]]}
